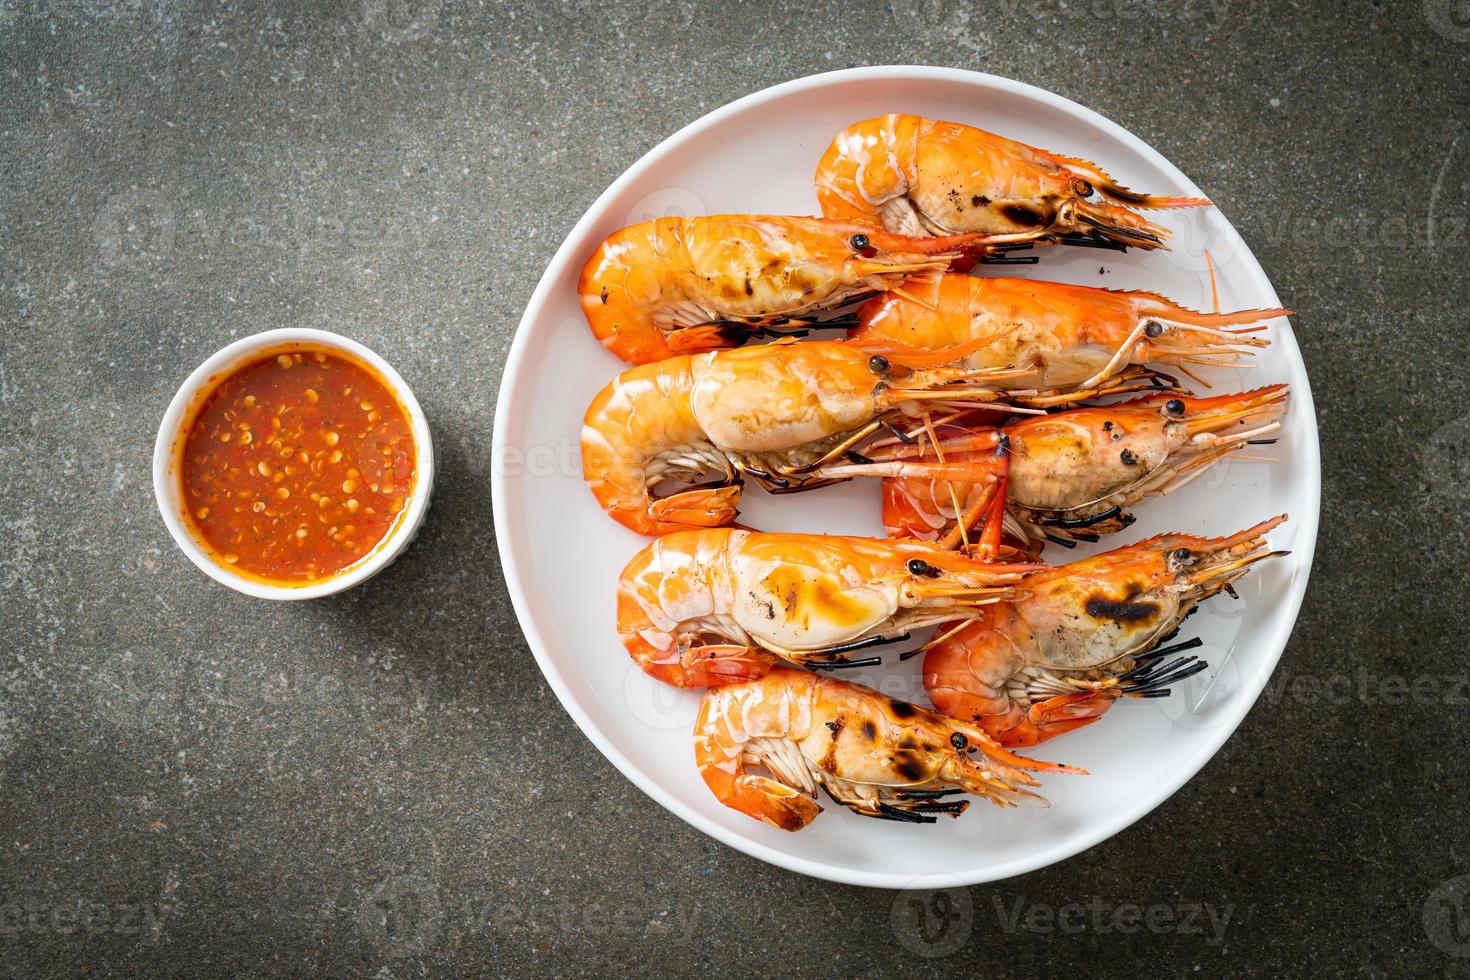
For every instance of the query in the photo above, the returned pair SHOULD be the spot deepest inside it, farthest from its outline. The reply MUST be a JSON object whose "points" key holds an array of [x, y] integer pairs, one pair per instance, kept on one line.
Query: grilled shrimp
{"points": [[1068, 476], [687, 285], [790, 415], [1077, 341], [877, 756], [698, 608], [1085, 634], [918, 176]]}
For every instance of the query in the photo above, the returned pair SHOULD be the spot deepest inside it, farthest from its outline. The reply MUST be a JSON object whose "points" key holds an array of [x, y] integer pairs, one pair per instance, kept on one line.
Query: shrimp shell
{"points": [[698, 608], [918, 176], [1084, 634], [688, 285], [877, 756]]}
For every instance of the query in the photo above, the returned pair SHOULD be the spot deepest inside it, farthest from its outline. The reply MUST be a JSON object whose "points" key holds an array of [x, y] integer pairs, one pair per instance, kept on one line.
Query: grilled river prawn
{"points": [[1082, 635], [687, 285], [1069, 476], [783, 414], [699, 608], [918, 176], [1076, 341], [875, 755]]}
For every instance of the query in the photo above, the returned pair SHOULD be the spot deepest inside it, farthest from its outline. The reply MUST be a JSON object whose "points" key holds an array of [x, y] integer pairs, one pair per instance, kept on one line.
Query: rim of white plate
{"points": [[573, 247]]}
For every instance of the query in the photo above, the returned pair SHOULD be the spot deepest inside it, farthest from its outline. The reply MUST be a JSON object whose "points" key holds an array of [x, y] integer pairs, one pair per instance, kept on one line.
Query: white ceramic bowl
{"points": [[169, 445], [561, 555]]}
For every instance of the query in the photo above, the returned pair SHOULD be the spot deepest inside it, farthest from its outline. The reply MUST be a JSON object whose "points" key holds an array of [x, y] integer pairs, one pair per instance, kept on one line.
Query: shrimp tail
{"points": [[762, 797], [710, 665], [702, 337], [706, 506], [1059, 715]]}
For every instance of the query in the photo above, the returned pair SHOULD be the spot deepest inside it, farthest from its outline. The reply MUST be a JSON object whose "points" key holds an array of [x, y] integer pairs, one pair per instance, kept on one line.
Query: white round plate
{"points": [[561, 555]]}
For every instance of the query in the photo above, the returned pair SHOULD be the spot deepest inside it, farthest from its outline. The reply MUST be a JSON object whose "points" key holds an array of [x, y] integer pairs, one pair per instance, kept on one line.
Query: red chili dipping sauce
{"points": [[296, 465]]}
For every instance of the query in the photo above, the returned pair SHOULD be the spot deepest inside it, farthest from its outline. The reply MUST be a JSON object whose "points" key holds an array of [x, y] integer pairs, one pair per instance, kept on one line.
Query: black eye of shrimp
{"points": [[1082, 188], [918, 566], [859, 243], [1182, 555], [878, 364], [1153, 329], [1174, 407]]}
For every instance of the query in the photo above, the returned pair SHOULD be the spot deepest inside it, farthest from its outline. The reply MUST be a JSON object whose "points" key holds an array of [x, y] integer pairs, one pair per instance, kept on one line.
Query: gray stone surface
{"points": [[192, 783]]}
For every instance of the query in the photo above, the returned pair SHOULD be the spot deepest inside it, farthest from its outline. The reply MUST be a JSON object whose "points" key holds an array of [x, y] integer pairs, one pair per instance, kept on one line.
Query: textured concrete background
{"points": [[194, 783]]}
